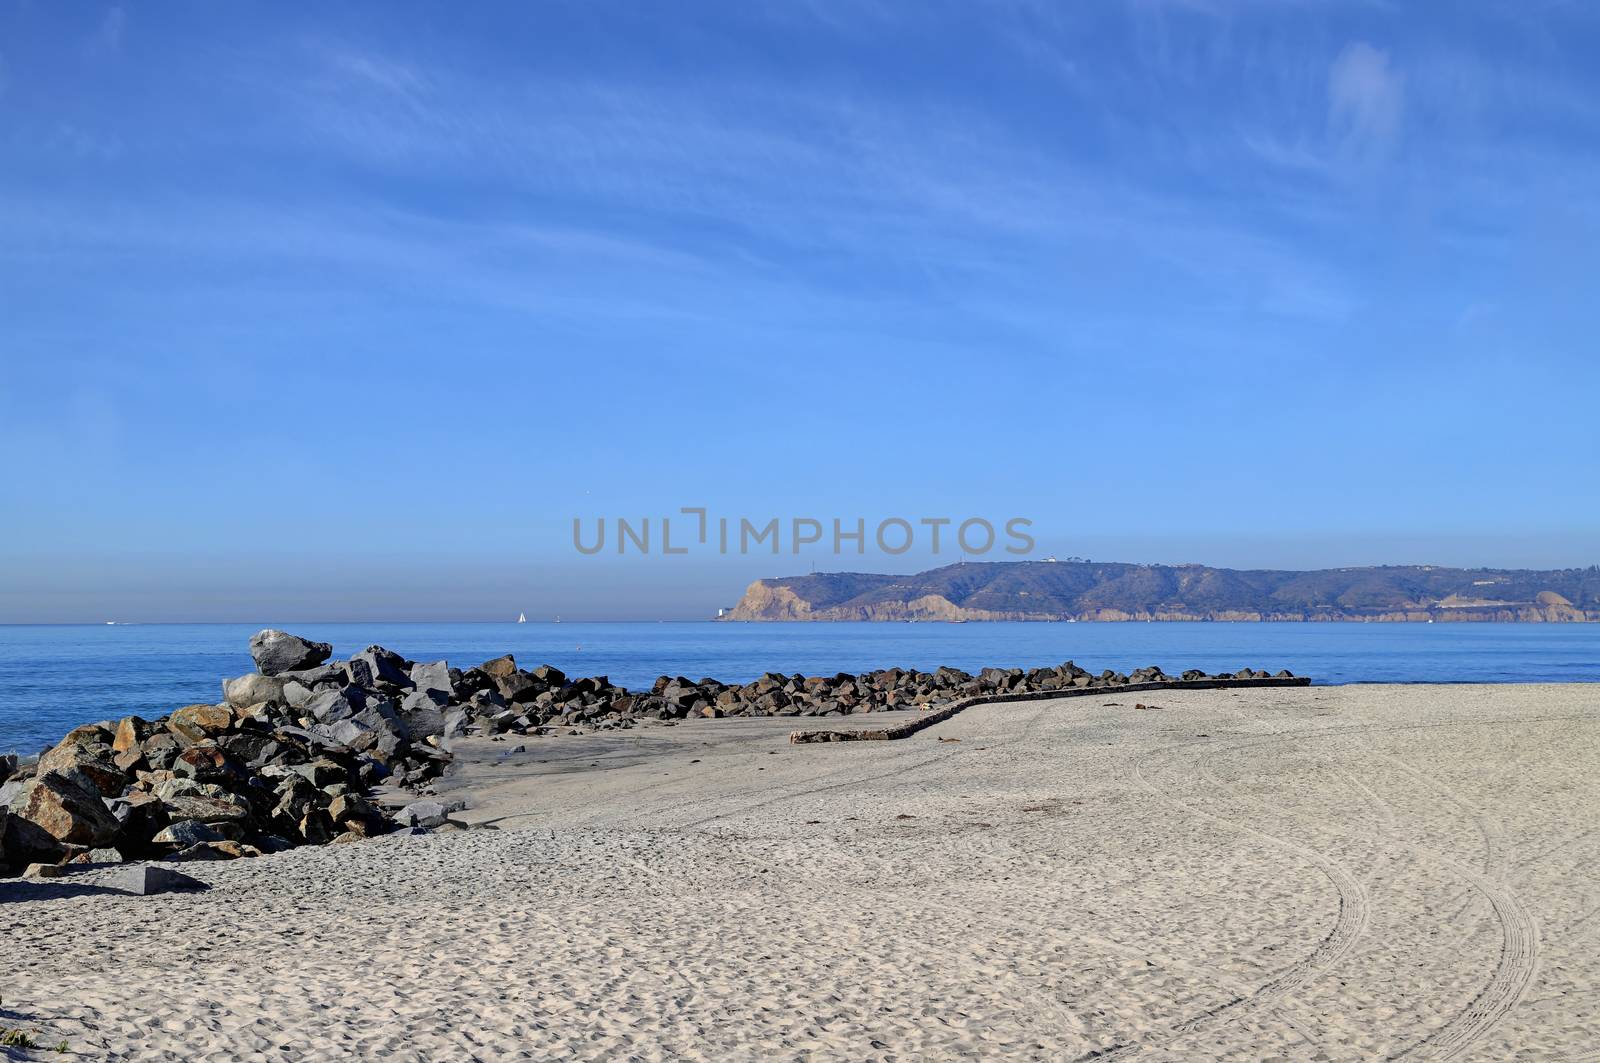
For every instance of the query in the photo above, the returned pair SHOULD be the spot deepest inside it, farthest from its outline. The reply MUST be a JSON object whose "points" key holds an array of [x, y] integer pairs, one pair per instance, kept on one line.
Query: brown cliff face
{"points": [[1123, 592]]}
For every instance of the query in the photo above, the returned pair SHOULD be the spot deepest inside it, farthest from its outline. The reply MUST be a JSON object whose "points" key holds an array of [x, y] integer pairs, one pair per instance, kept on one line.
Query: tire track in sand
{"points": [[1350, 920], [1518, 963]]}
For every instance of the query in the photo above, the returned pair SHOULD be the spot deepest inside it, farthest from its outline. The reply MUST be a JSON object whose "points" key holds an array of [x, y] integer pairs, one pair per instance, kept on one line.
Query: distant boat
{"points": [[522, 618]]}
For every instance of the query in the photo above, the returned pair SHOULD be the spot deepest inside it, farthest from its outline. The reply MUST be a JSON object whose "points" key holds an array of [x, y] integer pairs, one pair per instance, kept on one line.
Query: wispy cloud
{"points": [[1366, 102], [107, 37]]}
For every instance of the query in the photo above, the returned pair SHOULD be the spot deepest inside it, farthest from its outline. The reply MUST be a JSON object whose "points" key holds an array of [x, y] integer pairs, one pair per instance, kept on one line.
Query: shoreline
{"points": [[311, 751]]}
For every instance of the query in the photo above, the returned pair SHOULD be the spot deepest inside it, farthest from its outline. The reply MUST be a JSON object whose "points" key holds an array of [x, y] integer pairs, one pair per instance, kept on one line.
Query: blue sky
{"points": [[350, 310]]}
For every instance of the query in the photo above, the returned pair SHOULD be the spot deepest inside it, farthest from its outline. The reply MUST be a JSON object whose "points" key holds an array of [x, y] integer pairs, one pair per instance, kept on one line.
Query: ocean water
{"points": [[54, 677]]}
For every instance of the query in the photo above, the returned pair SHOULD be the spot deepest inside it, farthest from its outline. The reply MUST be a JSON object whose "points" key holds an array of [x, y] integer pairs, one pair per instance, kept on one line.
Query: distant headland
{"points": [[1084, 590]]}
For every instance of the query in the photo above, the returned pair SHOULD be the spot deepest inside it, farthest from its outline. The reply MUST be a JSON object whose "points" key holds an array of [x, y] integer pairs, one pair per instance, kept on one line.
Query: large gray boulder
{"points": [[375, 665], [252, 689], [423, 712], [331, 706], [438, 677], [278, 651]]}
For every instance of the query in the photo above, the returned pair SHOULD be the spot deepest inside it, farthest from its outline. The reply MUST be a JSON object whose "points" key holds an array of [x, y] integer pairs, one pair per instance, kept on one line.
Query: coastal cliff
{"points": [[1073, 590]]}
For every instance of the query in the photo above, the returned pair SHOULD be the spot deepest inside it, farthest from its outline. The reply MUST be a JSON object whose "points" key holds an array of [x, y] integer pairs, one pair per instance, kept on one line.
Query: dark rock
{"points": [[550, 676], [316, 828], [322, 772], [422, 711], [8, 766], [375, 665], [160, 751], [519, 688], [208, 763], [279, 651], [23, 841], [331, 706], [140, 815], [348, 809]]}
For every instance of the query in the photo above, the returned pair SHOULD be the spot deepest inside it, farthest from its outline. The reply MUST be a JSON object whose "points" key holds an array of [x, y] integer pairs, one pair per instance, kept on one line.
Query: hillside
{"points": [[1049, 590]]}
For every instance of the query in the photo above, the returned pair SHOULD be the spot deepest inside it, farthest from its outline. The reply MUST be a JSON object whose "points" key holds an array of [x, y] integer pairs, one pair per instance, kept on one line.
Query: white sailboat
{"points": [[522, 618]]}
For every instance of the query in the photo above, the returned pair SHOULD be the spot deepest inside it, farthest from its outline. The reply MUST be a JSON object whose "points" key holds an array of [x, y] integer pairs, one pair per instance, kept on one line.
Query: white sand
{"points": [[1327, 874]]}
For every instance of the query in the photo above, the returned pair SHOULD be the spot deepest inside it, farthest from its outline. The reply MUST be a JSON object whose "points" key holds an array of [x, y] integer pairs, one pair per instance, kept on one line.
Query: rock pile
{"points": [[288, 757], [293, 750], [506, 699]]}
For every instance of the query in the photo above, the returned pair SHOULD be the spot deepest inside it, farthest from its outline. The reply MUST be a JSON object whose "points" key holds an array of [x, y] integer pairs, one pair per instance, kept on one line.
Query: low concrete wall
{"points": [[921, 723]]}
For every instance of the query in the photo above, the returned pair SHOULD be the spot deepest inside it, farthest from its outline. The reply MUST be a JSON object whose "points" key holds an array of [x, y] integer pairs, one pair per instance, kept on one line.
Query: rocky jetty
{"points": [[293, 752]]}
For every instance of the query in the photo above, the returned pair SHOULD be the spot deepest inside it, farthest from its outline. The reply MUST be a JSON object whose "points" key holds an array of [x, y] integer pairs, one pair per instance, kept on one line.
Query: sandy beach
{"points": [[1335, 873]]}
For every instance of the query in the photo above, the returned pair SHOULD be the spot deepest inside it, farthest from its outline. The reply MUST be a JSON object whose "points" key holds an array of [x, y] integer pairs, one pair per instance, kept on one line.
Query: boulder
{"points": [[66, 811], [213, 810], [130, 732], [141, 815], [349, 809], [500, 667], [8, 766], [316, 828], [196, 723], [375, 665], [298, 695], [253, 689], [188, 832], [207, 762], [322, 772], [108, 855], [518, 687], [279, 651], [160, 750], [145, 880], [423, 710], [331, 706], [422, 814], [23, 842], [88, 734], [437, 677], [321, 675], [88, 766]]}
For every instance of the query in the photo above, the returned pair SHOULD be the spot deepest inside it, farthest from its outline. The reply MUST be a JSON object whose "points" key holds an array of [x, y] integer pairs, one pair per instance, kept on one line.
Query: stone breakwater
{"points": [[907, 728], [308, 751]]}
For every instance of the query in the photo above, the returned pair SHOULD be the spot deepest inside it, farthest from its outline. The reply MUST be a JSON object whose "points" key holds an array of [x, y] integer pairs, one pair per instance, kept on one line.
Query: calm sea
{"points": [[54, 677]]}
